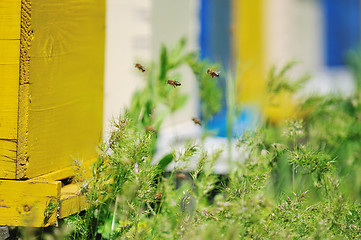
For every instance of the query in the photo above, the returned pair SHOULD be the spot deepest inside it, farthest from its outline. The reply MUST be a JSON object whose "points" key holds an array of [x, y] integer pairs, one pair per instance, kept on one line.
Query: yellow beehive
{"points": [[51, 102], [248, 43]]}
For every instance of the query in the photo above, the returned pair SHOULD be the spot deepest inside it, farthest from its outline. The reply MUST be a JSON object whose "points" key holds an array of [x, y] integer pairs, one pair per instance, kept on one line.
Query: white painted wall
{"points": [[135, 31], [294, 32], [172, 20], [128, 40]]}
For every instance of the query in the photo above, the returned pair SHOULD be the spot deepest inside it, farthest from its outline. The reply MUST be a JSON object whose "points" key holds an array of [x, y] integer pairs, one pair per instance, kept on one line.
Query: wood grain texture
{"points": [[71, 201], [63, 173], [23, 203], [22, 157], [8, 119], [66, 84], [9, 52], [9, 80], [10, 19]]}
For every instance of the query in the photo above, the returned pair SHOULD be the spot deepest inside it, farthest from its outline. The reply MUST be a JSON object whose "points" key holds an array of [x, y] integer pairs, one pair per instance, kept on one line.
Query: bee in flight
{"points": [[140, 67], [181, 176], [213, 73], [174, 83], [158, 196], [150, 129], [197, 121]]}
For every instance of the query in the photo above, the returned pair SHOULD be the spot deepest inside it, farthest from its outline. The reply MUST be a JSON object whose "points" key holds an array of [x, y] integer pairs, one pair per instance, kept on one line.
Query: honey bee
{"points": [[174, 83], [158, 196], [150, 129], [213, 73], [197, 121], [180, 175], [140, 67]]}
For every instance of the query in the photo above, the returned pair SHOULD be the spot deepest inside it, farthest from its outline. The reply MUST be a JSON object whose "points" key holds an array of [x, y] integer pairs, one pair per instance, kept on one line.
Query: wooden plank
{"points": [[66, 76], [22, 156], [71, 201], [9, 52], [23, 203], [66, 172], [9, 80], [10, 19]]}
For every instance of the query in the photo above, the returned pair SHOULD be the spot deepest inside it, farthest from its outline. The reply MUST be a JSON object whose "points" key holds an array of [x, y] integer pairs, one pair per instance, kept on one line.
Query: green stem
{"points": [[293, 177], [293, 166], [114, 213], [230, 83], [151, 209]]}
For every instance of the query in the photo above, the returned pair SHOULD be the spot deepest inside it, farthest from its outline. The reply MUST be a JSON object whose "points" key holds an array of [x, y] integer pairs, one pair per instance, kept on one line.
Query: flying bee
{"points": [[181, 176], [150, 129], [213, 73], [158, 196], [174, 83], [197, 121], [140, 67]]}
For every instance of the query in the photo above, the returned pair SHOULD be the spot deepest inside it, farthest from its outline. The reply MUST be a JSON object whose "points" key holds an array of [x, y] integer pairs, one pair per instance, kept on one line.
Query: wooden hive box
{"points": [[51, 103]]}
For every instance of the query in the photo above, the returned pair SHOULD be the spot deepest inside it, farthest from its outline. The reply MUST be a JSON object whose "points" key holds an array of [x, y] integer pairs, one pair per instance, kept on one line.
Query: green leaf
{"points": [[165, 161], [163, 63]]}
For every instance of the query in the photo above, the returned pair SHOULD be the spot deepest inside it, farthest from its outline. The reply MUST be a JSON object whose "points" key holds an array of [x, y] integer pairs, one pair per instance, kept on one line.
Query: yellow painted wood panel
{"points": [[10, 19], [9, 85], [9, 81], [22, 157], [23, 203], [9, 52], [63, 173], [248, 44], [66, 83], [71, 201]]}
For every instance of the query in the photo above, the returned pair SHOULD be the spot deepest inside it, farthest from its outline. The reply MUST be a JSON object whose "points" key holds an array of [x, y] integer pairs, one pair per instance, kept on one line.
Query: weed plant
{"points": [[298, 181]]}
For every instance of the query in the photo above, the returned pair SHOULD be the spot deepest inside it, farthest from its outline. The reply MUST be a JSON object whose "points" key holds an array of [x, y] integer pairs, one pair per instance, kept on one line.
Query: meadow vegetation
{"points": [[299, 180]]}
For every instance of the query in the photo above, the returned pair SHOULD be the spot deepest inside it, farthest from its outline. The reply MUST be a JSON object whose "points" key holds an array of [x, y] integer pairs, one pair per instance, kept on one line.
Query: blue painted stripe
{"points": [[205, 33], [215, 45], [342, 29], [215, 35]]}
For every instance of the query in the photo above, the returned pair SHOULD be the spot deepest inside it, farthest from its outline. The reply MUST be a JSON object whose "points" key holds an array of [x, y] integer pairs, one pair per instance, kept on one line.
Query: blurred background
{"points": [[252, 34]]}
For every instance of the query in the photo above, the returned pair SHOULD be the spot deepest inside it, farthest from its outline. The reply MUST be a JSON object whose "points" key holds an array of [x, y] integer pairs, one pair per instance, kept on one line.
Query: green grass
{"points": [[300, 179]]}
